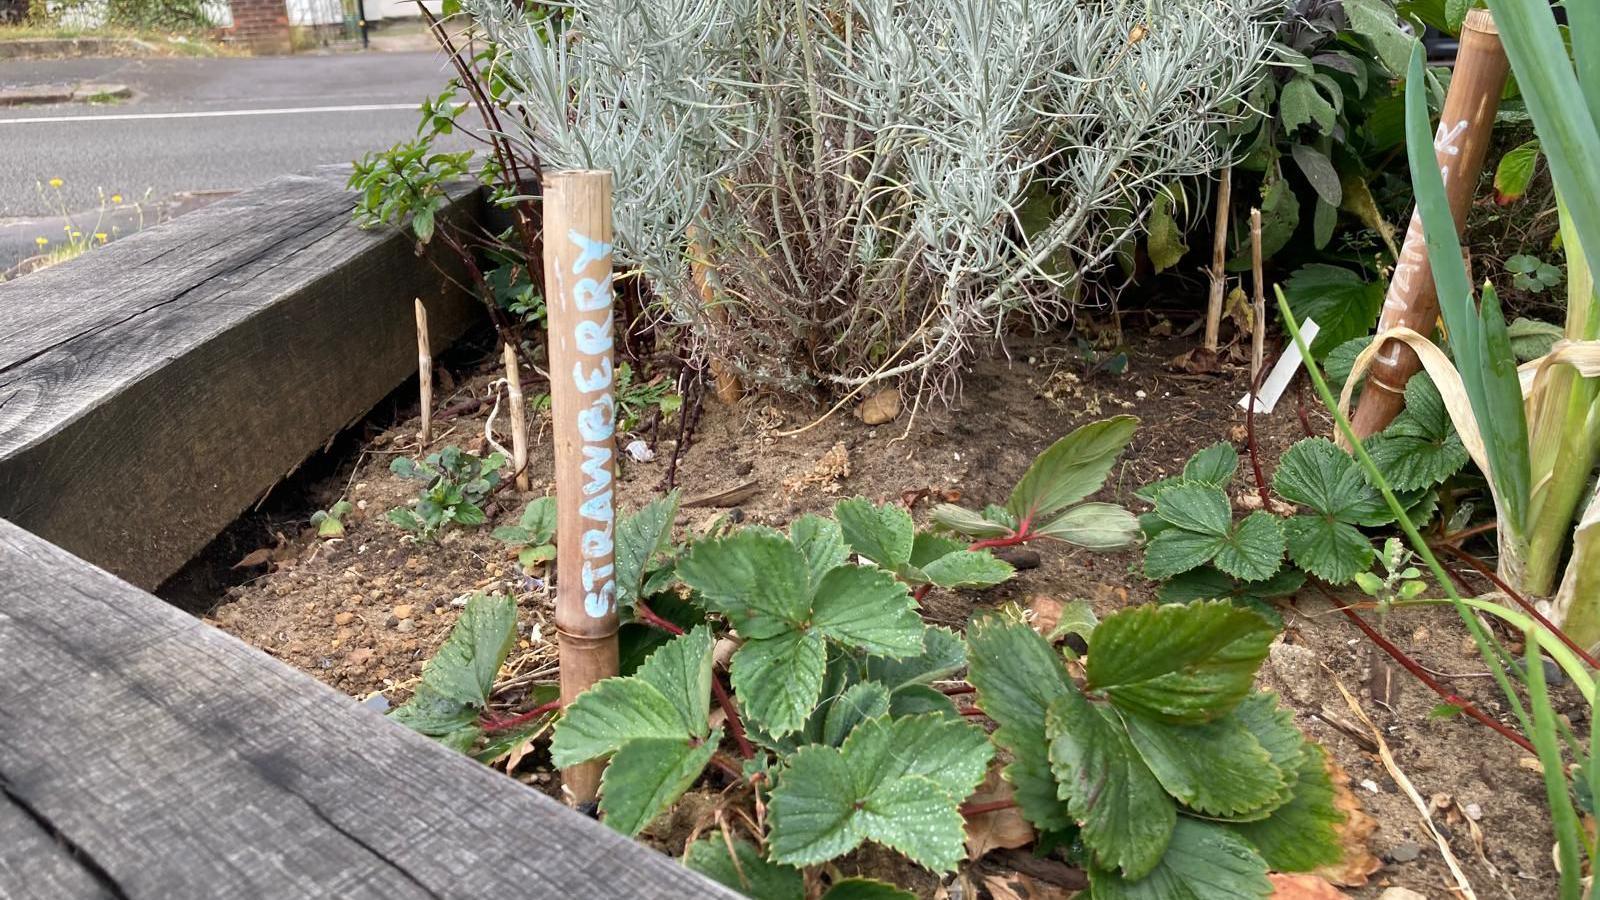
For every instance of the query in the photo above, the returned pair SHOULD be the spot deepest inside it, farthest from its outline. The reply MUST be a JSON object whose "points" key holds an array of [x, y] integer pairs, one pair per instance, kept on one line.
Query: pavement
{"points": [[193, 128]]}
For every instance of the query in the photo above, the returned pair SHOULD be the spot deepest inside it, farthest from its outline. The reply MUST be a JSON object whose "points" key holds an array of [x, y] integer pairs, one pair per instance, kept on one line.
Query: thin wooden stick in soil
{"points": [[1219, 256], [1258, 316], [577, 274], [424, 373], [519, 419]]}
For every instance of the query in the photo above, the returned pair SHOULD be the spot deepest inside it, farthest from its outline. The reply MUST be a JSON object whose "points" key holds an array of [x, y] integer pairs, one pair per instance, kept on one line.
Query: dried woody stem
{"points": [[1219, 256], [424, 373]]}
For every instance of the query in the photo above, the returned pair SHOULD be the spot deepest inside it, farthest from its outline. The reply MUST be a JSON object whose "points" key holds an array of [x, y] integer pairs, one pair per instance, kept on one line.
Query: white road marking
{"points": [[214, 114]]}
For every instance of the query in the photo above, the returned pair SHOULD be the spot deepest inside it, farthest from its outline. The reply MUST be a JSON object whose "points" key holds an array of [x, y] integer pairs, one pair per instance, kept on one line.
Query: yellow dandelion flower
{"points": [[41, 241], [76, 235], [116, 198], [100, 236], [55, 182]]}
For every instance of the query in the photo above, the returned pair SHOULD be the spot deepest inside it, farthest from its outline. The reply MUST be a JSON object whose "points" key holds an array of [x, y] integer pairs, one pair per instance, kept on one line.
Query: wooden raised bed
{"points": [[148, 392]]}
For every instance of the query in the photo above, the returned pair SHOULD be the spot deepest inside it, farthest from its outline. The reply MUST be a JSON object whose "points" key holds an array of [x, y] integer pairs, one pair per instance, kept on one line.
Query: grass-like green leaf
{"points": [[1178, 663], [1017, 676], [1124, 815]]}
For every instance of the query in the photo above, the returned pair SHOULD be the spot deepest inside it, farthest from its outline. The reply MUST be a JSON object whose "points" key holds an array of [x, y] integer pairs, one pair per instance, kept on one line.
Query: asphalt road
{"points": [[193, 127]]}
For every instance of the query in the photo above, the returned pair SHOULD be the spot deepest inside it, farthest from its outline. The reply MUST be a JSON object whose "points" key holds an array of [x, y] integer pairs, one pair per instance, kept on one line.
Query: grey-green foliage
{"points": [[877, 183]]}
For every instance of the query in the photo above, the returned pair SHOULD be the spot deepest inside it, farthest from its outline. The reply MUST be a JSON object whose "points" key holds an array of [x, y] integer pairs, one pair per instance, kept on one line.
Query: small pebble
{"points": [[1371, 785], [1401, 893], [344, 618], [1473, 811], [1405, 851], [406, 626], [403, 611]]}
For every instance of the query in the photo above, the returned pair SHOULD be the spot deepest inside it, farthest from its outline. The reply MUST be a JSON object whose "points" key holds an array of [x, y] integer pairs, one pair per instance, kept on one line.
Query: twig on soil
{"points": [[1387, 758], [1410, 665], [424, 372], [1056, 873]]}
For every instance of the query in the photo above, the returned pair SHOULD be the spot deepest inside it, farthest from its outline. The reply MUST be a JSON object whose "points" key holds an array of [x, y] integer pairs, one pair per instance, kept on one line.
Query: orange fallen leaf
{"points": [[1046, 612], [1355, 835], [1303, 887], [258, 557]]}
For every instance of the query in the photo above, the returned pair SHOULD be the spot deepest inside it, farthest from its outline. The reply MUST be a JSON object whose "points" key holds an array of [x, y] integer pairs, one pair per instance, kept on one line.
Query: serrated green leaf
{"points": [[1254, 550], [1514, 172], [861, 701], [755, 577], [539, 519], [608, 716], [917, 699], [1302, 834], [1209, 584], [1331, 550], [744, 870], [465, 666], [1204, 861], [1094, 526], [1174, 551], [968, 569], [1217, 768], [1200, 508], [1072, 468], [778, 679], [445, 719], [821, 542], [966, 522], [681, 671], [883, 534], [1124, 815], [531, 556], [1317, 474], [866, 608], [1017, 676], [897, 782], [1178, 663], [1344, 305], [865, 889], [929, 546], [1420, 448], [1214, 465], [943, 653], [1530, 339], [648, 775], [640, 537]]}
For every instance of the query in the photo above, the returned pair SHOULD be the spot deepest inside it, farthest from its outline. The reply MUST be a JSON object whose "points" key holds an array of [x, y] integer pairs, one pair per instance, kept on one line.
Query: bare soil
{"points": [[364, 613]]}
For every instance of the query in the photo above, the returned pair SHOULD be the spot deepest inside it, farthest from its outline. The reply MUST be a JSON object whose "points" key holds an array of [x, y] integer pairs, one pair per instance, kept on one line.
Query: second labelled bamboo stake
{"points": [[519, 419], [1465, 128], [577, 273]]}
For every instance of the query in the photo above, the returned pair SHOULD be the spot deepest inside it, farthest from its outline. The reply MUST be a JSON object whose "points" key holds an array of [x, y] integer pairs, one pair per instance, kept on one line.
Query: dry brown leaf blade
{"points": [[1003, 829]]}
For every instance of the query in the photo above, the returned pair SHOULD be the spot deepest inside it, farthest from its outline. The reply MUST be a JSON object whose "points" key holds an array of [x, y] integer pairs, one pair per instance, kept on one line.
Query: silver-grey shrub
{"points": [[878, 185]]}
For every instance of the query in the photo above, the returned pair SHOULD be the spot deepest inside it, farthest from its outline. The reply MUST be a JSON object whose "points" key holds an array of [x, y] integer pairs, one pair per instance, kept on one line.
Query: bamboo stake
{"points": [[1461, 142], [577, 272], [1258, 316], [519, 419], [1219, 255], [424, 372]]}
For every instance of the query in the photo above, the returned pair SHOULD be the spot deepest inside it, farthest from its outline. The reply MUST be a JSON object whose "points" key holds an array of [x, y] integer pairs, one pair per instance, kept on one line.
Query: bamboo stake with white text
{"points": [[577, 274], [424, 373]]}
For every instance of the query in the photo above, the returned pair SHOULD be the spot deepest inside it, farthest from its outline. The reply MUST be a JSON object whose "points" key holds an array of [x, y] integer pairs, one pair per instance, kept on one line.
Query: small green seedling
{"points": [[635, 400], [458, 483], [1401, 580], [330, 521], [534, 534], [1532, 274]]}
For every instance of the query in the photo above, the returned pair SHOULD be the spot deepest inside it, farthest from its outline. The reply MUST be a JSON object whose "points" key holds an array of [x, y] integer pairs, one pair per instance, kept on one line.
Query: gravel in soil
{"points": [[365, 612]]}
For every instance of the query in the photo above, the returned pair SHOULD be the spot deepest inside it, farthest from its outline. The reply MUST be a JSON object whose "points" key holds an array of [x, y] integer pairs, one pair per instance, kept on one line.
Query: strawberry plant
{"points": [[887, 536], [330, 521], [457, 485], [1171, 772], [1062, 476], [534, 534]]}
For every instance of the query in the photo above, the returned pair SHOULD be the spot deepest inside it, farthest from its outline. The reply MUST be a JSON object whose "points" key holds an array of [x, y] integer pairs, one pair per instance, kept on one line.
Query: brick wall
{"points": [[261, 25]]}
